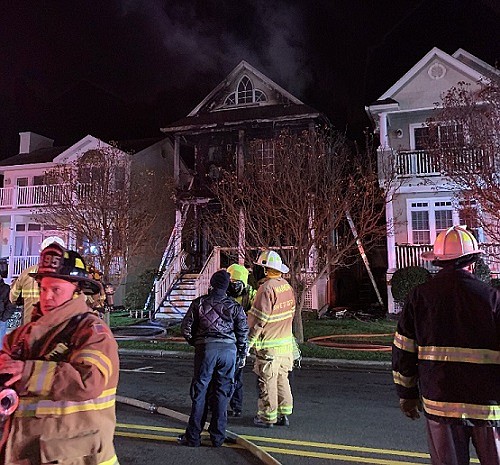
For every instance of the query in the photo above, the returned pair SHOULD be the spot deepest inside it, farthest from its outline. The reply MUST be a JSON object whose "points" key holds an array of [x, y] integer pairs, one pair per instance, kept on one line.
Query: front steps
{"points": [[176, 303]]}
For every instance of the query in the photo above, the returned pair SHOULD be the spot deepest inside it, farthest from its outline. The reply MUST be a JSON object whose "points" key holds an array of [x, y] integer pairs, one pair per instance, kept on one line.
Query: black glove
{"points": [[411, 407]]}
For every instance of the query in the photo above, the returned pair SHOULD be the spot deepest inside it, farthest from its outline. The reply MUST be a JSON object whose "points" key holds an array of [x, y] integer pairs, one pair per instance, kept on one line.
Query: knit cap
{"points": [[220, 280]]}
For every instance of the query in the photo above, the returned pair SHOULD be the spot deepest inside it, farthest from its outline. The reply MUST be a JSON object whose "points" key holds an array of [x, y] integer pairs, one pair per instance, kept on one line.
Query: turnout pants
{"points": [[449, 443], [275, 394]]}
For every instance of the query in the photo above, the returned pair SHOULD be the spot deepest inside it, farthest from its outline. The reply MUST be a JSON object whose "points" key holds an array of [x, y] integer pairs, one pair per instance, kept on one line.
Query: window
{"points": [[262, 153], [22, 182], [446, 135], [245, 93], [427, 218]]}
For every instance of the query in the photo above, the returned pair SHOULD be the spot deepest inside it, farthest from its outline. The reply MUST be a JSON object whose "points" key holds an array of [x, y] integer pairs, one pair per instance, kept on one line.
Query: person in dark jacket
{"points": [[446, 355], [7, 309], [216, 325]]}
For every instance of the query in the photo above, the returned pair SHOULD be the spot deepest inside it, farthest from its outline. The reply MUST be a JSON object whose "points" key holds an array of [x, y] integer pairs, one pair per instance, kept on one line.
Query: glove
{"points": [[411, 407], [241, 361]]}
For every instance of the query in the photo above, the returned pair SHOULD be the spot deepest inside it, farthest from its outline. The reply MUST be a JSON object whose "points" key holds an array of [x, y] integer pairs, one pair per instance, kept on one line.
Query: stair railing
{"points": [[209, 268], [165, 283], [169, 255]]}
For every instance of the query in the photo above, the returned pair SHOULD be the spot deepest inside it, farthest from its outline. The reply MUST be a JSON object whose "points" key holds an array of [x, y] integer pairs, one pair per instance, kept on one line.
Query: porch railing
{"points": [[30, 196], [409, 255], [429, 162], [20, 263]]}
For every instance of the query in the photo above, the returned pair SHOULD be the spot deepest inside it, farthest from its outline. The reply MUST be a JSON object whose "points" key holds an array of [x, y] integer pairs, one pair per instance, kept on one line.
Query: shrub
{"points": [[138, 291], [405, 279], [482, 271], [495, 282]]}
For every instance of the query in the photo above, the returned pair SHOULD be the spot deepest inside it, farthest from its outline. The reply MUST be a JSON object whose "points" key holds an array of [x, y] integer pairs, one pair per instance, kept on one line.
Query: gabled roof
{"points": [[476, 63], [432, 54], [44, 155], [211, 111], [243, 66]]}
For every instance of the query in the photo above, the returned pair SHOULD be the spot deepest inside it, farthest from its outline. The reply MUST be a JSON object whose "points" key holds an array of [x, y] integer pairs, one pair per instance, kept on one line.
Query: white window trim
{"points": [[431, 208]]}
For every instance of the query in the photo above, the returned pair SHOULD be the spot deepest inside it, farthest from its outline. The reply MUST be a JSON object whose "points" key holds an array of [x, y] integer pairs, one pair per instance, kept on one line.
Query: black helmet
{"points": [[65, 264]]}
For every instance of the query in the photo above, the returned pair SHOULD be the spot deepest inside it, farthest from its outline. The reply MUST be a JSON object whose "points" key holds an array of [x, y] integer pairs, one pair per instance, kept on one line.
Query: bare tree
{"points": [[112, 210], [299, 200], [465, 137]]}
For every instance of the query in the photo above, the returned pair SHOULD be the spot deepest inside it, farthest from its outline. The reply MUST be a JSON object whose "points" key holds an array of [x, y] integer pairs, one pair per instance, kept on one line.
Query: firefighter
{"points": [[26, 287], [446, 355], [64, 366], [270, 336], [244, 294]]}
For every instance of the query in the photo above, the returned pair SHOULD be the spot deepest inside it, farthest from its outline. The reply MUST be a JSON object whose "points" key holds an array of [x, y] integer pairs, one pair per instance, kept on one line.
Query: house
{"points": [[26, 187], [234, 123], [422, 202]]}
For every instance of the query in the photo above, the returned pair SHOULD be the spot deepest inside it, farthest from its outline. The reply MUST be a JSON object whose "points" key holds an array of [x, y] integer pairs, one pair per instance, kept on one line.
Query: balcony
{"points": [[428, 162], [29, 196], [409, 255]]}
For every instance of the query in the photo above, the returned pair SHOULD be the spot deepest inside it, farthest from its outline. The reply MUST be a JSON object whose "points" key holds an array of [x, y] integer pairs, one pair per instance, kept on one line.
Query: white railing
{"points": [[409, 255], [30, 196], [167, 280], [20, 263], [211, 266], [417, 162]]}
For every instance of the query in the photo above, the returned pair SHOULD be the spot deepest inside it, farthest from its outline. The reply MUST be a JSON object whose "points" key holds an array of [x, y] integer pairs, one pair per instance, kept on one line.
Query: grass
{"points": [[312, 328]]}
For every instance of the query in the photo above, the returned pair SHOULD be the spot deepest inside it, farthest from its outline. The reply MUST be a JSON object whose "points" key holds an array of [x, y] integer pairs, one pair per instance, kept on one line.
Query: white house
{"points": [[423, 202], [24, 189]]}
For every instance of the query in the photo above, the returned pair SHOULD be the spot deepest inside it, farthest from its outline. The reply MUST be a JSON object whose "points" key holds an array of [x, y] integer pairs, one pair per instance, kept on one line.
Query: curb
{"points": [[332, 363], [254, 449]]}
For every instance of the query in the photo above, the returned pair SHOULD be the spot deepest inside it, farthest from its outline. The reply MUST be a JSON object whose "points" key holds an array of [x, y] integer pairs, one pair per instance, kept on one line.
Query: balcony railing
{"points": [[428, 162], [30, 196], [409, 255]]}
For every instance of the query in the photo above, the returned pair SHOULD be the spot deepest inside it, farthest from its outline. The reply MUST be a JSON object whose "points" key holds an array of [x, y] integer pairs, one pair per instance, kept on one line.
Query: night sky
{"points": [[121, 69]]}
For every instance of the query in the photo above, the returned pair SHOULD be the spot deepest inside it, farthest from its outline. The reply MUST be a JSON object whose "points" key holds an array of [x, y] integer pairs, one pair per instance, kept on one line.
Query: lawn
{"points": [[340, 328]]}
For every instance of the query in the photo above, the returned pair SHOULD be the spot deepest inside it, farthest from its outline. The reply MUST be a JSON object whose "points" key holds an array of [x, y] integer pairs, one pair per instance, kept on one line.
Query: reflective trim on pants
{"points": [[449, 443], [275, 394]]}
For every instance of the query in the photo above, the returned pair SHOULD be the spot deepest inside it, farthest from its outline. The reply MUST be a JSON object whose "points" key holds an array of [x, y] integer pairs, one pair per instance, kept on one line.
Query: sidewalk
{"points": [[306, 361]]}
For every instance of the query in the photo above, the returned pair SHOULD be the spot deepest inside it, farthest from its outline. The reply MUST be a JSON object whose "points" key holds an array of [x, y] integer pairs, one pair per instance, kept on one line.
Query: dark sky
{"points": [[121, 69]]}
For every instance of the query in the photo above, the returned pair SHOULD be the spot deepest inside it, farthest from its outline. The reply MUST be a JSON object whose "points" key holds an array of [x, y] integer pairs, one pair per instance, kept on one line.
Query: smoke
{"points": [[210, 38]]}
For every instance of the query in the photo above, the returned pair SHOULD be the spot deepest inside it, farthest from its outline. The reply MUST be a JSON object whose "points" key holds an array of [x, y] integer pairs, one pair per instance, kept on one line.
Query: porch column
{"points": [[383, 132], [11, 246], [176, 166], [391, 249], [240, 163]]}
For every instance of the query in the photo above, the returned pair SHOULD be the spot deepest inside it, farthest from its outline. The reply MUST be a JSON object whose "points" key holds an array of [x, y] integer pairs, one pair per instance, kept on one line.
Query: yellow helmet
{"points": [[453, 243], [238, 273], [271, 259]]}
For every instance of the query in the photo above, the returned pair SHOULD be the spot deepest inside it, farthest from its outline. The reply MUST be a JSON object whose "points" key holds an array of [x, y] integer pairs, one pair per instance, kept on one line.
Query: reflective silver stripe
{"points": [[404, 343], [406, 381], [459, 354], [462, 410]]}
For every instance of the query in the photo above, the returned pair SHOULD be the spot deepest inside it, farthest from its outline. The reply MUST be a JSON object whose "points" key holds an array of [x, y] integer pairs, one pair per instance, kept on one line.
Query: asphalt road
{"points": [[340, 415]]}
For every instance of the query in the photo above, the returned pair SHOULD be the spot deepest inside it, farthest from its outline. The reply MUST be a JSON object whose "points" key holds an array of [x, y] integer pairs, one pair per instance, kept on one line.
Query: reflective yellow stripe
{"points": [[271, 318], [459, 354], [41, 379], [461, 410], [406, 381], [405, 343], [112, 461], [29, 407]]}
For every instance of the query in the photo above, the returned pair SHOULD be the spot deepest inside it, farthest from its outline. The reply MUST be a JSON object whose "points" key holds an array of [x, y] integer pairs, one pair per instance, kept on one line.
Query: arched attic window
{"points": [[245, 93]]}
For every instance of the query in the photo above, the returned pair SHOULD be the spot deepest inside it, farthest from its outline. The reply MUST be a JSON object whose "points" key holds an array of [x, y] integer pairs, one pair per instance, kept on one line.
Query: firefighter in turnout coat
{"points": [[446, 355], [270, 336], [64, 366]]}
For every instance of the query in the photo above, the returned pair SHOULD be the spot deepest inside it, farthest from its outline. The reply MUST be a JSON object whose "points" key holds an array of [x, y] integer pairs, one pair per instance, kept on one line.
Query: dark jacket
{"points": [[6, 308], [447, 349], [216, 317]]}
